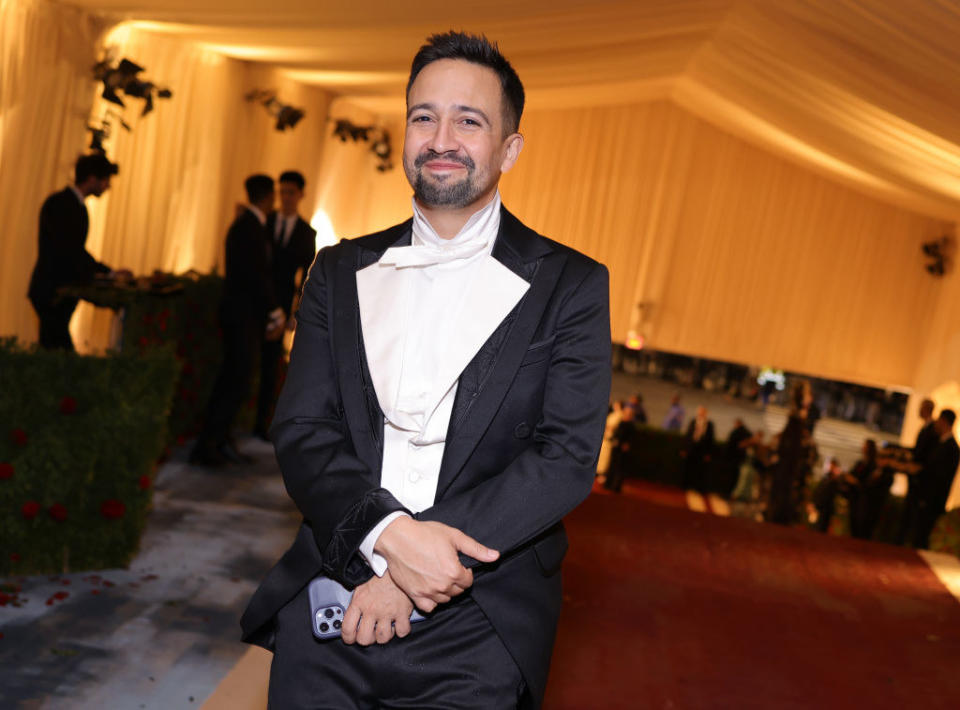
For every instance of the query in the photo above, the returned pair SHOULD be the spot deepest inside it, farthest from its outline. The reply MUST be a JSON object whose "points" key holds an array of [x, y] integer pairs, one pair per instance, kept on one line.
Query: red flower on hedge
{"points": [[145, 482], [6, 471], [112, 509], [68, 405], [30, 509], [18, 437], [58, 512]]}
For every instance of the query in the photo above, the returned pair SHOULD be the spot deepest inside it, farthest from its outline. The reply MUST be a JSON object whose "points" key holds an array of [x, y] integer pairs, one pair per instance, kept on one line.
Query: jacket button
{"points": [[522, 431]]}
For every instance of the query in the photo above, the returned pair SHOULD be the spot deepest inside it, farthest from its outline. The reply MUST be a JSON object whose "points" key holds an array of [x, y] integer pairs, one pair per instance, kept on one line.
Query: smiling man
{"points": [[443, 411]]}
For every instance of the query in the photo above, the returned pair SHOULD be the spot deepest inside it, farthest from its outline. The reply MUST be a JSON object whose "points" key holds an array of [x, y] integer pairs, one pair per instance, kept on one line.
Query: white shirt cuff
{"points": [[377, 562]]}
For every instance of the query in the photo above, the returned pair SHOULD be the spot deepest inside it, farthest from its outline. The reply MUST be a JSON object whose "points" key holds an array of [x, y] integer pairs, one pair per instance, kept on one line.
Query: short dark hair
{"points": [[478, 50], [949, 416], [258, 186], [295, 177], [95, 164]]}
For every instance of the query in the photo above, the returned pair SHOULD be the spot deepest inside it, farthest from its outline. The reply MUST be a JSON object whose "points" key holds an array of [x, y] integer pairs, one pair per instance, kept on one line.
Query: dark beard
{"points": [[443, 193]]}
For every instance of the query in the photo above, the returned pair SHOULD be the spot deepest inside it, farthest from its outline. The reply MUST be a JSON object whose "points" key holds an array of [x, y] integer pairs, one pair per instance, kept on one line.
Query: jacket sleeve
{"points": [[556, 472], [339, 496]]}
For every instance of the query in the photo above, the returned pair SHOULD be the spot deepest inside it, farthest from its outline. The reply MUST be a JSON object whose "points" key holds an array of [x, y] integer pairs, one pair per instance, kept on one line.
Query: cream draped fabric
{"points": [[46, 52]]}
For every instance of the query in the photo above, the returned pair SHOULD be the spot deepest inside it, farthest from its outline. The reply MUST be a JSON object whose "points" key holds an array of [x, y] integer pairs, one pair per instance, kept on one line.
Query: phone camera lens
{"points": [[328, 613], [337, 624], [324, 627]]}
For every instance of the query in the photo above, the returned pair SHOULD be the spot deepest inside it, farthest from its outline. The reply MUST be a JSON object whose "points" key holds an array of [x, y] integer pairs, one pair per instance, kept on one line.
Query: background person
{"points": [[62, 258], [293, 246], [248, 309]]}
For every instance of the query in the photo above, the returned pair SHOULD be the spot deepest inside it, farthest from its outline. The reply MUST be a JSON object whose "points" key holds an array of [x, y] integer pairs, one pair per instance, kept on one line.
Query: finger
{"points": [[351, 619], [440, 597], [366, 633], [463, 579], [425, 604], [470, 547], [402, 627], [384, 630]]}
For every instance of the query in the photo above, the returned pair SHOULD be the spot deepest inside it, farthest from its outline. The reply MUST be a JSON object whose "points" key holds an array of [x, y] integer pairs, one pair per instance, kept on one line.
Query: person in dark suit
{"points": [[868, 487], [443, 411], [926, 443], [624, 439], [293, 247], [248, 309], [936, 479], [697, 451], [62, 258]]}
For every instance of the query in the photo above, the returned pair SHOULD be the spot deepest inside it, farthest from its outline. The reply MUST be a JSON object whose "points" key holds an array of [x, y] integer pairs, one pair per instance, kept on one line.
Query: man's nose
{"points": [[444, 138]]}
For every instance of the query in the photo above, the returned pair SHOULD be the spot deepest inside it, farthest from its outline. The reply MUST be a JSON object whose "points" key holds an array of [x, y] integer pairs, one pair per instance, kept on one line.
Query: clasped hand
{"points": [[423, 570]]}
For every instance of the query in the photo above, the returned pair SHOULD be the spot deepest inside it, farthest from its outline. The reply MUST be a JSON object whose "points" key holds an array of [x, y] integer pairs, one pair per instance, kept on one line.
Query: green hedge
{"points": [[655, 456], [79, 438], [181, 313]]}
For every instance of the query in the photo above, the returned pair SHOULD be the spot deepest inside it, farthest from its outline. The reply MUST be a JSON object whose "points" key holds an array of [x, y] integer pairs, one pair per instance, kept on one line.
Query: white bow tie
{"points": [[428, 255]]}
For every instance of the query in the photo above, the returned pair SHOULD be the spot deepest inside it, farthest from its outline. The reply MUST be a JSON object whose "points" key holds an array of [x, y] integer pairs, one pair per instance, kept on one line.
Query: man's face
{"points": [[99, 186], [290, 196], [455, 148], [942, 426]]}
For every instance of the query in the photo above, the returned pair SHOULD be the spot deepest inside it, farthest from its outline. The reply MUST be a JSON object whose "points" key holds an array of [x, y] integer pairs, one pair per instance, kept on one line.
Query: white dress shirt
{"points": [[425, 311], [76, 191]]}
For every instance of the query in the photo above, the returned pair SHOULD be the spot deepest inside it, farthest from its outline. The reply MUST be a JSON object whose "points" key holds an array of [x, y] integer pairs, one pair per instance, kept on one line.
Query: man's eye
{"points": [[471, 122], [419, 119]]}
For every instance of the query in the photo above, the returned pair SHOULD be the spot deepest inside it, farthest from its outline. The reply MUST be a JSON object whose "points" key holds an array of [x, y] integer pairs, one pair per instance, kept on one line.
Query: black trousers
{"points": [[271, 351], [452, 661], [55, 323], [928, 512], [241, 343]]}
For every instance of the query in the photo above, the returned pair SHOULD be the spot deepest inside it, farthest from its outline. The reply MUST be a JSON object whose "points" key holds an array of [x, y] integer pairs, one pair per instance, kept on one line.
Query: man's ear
{"points": [[512, 147]]}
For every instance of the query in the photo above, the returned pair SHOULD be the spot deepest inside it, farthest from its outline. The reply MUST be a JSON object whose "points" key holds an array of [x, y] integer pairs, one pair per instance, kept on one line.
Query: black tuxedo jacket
{"points": [[248, 292], [521, 447], [62, 257], [297, 254]]}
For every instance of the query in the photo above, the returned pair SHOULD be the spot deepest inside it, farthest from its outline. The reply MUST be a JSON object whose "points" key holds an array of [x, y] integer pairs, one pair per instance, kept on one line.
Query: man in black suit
{"points": [[294, 246], [926, 443], [936, 479], [62, 258], [248, 309], [443, 411]]}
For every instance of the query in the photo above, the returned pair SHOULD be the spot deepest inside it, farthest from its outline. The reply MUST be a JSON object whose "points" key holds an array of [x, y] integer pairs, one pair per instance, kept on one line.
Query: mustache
{"points": [[450, 156]]}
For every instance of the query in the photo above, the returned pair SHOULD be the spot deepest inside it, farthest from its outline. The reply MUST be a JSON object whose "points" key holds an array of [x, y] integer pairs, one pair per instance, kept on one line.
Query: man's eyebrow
{"points": [[471, 109], [458, 107], [417, 107]]}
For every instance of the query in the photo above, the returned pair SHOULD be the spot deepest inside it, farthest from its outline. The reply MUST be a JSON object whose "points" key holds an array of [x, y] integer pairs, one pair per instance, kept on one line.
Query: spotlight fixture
{"points": [[123, 78], [939, 252], [378, 138], [287, 116]]}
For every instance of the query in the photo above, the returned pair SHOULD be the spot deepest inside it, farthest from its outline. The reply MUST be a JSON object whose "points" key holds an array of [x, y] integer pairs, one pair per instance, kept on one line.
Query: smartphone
{"points": [[329, 601]]}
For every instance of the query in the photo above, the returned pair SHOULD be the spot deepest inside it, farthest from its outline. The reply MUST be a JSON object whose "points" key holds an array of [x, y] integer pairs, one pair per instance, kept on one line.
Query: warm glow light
{"points": [[326, 237], [634, 341]]}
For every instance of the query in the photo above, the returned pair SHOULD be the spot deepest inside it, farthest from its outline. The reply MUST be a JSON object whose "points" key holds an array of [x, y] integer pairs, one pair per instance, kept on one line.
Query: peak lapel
{"points": [[485, 381]]}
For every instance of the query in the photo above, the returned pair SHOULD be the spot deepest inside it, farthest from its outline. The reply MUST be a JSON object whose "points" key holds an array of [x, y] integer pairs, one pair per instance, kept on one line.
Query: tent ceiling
{"points": [[867, 90]]}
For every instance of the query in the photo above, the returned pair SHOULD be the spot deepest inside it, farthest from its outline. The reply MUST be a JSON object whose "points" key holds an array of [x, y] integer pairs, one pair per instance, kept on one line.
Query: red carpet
{"points": [[667, 608]]}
